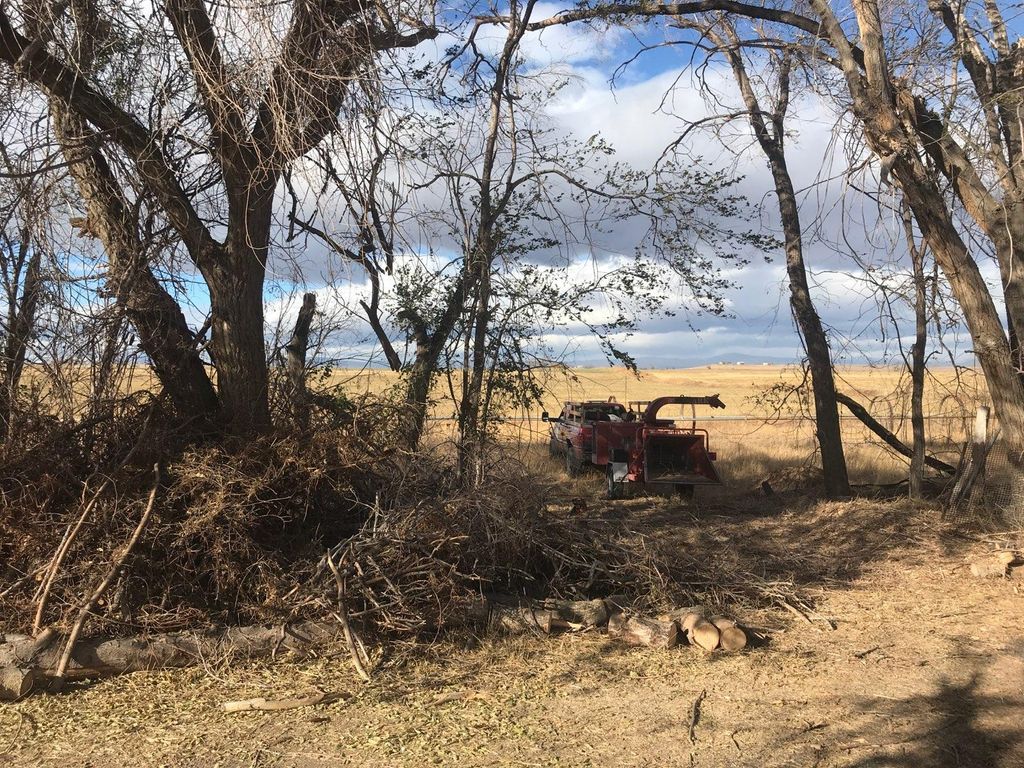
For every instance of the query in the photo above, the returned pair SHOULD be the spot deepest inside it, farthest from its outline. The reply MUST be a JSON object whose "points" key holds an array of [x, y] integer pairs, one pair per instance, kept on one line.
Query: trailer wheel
{"points": [[613, 490], [572, 464], [685, 492]]}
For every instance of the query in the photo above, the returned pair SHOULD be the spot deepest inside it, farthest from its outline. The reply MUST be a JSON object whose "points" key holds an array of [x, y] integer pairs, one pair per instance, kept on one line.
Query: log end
{"points": [[16, 683], [705, 635], [733, 639]]}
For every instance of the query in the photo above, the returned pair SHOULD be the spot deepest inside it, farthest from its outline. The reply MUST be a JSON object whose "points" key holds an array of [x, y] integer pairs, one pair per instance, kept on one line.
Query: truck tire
{"points": [[613, 490], [572, 464], [554, 447]]}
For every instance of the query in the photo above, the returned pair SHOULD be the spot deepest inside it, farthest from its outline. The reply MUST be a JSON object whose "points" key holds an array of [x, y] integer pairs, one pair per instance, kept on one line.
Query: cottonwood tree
{"points": [[767, 116], [191, 115]]}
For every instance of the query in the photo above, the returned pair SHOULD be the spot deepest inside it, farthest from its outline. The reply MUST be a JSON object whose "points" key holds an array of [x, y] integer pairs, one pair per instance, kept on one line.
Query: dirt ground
{"points": [[924, 667]]}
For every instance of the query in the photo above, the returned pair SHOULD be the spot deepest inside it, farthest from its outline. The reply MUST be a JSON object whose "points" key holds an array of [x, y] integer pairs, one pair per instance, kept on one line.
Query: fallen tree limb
{"points": [[96, 657], [276, 705], [888, 437]]}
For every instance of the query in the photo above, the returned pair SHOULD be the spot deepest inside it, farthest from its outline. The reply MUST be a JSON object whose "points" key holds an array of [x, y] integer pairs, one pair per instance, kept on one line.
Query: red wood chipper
{"points": [[632, 446]]}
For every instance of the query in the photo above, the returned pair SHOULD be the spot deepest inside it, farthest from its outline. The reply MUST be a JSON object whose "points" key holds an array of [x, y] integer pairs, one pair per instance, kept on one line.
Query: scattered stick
{"points": [[276, 705], [796, 612], [58, 558], [695, 715], [342, 616], [104, 585]]}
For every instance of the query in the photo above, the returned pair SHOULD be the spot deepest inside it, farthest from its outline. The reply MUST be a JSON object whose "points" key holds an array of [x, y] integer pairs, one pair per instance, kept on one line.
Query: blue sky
{"points": [[637, 117]]}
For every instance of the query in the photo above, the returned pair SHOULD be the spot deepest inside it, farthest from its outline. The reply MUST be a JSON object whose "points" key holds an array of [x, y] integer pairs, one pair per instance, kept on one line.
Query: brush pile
{"points": [[385, 545]]}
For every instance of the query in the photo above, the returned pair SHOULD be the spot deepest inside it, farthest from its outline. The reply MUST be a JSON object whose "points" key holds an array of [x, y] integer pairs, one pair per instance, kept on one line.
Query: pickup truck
{"points": [[633, 446]]}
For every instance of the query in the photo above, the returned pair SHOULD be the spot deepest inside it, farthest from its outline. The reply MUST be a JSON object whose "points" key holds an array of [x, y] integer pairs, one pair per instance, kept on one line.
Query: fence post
{"points": [[974, 465]]}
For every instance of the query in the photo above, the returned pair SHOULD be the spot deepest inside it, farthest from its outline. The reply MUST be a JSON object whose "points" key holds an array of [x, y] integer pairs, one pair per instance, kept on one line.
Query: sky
{"points": [[640, 110]]}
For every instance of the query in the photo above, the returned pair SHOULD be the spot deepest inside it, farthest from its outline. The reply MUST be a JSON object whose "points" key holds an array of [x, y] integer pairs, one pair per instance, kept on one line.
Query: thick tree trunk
{"points": [[869, 81], [164, 335], [237, 342], [819, 357]]}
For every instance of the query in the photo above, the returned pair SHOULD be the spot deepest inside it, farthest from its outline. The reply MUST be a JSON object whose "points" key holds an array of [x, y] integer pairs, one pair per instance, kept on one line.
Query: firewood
{"points": [[684, 617], [637, 630], [104, 657], [733, 639], [617, 604], [520, 619], [15, 682], [704, 634], [722, 622], [580, 613], [989, 568]]}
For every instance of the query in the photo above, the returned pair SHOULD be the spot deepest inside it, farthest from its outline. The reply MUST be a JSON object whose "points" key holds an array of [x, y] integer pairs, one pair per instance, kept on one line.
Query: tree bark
{"points": [[237, 343], [21, 320], [98, 657], [917, 360], [888, 437], [163, 333], [295, 361]]}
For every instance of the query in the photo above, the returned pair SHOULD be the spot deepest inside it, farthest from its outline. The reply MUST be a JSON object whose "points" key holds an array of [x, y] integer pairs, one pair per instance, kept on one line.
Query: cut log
{"points": [[704, 635], [16, 682], [617, 604], [733, 639], [97, 657], [577, 614], [684, 617], [722, 622], [518, 620], [637, 630], [990, 568]]}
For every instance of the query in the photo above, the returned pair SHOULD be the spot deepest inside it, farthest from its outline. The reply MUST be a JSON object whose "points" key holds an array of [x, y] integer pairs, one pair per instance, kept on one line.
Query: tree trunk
{"points": [[874, 104], [917, 359], [21, 316], [163, 333], [295, 362], [819, 358], [237, 342]]}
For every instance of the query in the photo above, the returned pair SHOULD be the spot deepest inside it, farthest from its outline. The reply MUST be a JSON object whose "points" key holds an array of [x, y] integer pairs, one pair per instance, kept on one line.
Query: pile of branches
{"points": [[334, 523]]}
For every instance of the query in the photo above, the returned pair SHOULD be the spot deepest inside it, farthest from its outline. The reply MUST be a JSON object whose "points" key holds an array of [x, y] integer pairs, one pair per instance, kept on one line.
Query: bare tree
{"points": [[769, 128]]}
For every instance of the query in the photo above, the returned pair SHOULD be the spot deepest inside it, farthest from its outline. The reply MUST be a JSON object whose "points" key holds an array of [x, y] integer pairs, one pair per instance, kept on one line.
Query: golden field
{"points": [[751, 439]]}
